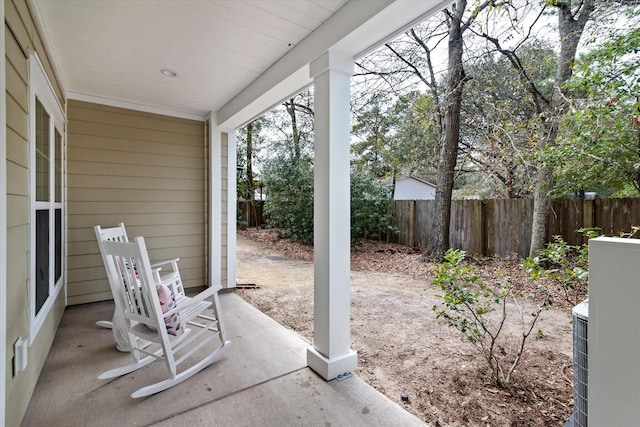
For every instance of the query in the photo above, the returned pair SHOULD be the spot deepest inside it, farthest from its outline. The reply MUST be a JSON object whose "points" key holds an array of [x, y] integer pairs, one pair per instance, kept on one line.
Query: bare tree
{"points": [[409, 62], [294, 122], [572, 19], [291, 108], [450, 108], [249, 159], [500, 125]]}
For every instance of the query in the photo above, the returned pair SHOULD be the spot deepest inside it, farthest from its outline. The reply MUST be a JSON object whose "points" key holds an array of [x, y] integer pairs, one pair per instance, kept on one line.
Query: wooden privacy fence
{"points": [[252, 212], [502, 227], [497, 227]]}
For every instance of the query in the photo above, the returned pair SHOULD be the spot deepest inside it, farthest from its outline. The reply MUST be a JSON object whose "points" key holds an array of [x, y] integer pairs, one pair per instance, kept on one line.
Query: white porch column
{"points": [[614, 332], [331, 354], [222, 214]]}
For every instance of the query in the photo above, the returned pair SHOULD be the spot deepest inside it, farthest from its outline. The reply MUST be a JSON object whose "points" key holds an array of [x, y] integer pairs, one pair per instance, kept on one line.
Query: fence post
{"points": [[412, 224], [484, 243], [587, 214]]}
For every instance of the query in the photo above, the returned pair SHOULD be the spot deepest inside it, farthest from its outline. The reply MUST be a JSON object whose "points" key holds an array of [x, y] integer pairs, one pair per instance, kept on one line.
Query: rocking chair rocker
{"points": [[181, 331]]}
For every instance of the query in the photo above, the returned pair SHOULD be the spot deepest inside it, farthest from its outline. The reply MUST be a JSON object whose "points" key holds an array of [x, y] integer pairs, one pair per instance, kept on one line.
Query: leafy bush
{"points": [[564, 264], [567, 265], [480, 312], [290, 202], [241, 223], [290, 198], [370, 204]]}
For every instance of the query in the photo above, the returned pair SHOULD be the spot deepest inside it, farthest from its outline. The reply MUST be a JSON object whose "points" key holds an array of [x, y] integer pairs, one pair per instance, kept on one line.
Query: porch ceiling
{"points": [[112, 51]]}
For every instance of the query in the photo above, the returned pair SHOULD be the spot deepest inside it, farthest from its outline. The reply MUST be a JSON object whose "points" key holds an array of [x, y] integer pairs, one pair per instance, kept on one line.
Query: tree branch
{"points": [[526, 80]]}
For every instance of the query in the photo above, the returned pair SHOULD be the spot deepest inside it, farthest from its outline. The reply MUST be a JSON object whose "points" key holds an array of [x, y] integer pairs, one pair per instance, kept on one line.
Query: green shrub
{"points": [[480, 311], [290, 202], [563, 264], [370, 205]]}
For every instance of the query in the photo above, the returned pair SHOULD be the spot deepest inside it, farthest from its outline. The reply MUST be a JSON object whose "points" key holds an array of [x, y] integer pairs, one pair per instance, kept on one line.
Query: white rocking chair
{"points": [[199, 318], [170, 277]]}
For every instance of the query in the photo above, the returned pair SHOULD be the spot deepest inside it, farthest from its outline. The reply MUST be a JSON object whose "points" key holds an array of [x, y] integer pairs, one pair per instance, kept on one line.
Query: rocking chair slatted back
{"points": [[117, 325], [165, 271], [131, 266], [113, 234]]}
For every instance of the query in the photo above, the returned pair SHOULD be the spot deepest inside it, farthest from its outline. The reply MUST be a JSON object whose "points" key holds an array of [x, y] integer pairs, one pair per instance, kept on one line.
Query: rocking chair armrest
{"points": [[189, 301], [173, 261]]}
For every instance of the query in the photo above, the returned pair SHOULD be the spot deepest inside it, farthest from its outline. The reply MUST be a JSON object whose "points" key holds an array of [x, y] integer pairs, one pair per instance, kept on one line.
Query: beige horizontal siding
{"points": [[19, 212], [131, 193], [85, 299], [17, 119], [21, 36], [17, 200], [145, 170], [19, 19], [84, 167], [16, 57], [145, 134], [134, 207], [17, 273], [94, 113], [17, 87], [17, 179], [93, 142], [17, 149]]}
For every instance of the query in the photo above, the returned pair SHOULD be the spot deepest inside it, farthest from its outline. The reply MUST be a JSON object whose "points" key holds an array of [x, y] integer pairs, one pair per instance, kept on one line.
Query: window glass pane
{"points": [[42, 258], [58, 237], [42, 153], [58, 167]]}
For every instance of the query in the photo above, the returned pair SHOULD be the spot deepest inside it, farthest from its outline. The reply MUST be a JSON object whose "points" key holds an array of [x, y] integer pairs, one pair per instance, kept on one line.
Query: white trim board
{"points": [[231, 209], [40, 87], [215, 201], [3, 220], [133, 106]]}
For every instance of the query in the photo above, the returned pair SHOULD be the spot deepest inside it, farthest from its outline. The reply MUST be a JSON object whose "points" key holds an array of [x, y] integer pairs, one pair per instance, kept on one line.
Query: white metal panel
{"points": [[614, 332]]}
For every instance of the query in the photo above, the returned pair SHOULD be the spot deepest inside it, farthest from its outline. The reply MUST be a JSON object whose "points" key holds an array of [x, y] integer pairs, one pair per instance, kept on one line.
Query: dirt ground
{"points": [[400, 346]]}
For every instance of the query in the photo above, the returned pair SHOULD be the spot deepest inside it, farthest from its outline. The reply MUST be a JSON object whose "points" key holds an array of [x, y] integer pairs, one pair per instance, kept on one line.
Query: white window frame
{"points": [[40, 87]]}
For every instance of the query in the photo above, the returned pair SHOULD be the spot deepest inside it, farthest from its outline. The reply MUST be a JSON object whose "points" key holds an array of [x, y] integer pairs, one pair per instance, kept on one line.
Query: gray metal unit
{"points": [[580, 362]]}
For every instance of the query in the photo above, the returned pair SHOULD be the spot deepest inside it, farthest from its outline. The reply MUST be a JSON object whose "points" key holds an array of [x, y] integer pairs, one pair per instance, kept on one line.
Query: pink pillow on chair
{"points": [[168, 302]]}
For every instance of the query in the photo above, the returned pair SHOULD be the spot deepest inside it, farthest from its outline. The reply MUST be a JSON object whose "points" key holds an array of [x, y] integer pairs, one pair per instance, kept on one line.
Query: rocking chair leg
{"points": [[127, 369], [104, 324], [141, 363]]}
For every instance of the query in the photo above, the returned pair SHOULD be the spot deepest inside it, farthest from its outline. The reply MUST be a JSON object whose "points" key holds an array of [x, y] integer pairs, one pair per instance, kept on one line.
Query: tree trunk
{"points": [[570, 28], [250, 191], [291, 109], [439, 242], [541, 206]]}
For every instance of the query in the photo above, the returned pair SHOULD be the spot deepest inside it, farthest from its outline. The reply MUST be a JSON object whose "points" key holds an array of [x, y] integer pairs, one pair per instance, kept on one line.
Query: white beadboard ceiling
{"points": [[115, 49], [235, 57]]}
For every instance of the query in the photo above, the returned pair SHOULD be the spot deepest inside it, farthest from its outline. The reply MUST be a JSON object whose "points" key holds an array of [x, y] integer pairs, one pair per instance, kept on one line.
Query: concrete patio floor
{"points": [[262, 380]]}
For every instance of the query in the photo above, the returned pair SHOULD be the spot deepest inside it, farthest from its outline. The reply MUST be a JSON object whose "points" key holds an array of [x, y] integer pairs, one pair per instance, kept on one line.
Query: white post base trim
{"points": [[330, 369]]}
